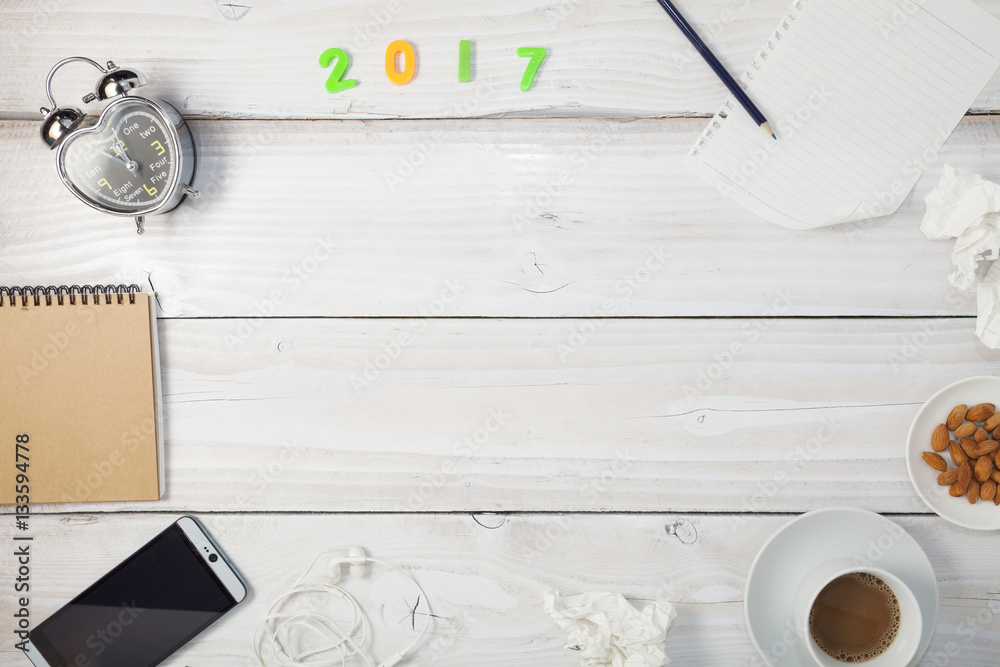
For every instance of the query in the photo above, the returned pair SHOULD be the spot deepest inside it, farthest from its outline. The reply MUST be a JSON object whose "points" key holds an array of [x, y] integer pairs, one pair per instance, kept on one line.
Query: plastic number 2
{"points": [[537, 55], [337, 82]]}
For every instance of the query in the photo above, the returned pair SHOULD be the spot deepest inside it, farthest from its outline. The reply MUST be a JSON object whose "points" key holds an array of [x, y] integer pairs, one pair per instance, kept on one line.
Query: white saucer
{"points": [[815, 537], [984, 515]]}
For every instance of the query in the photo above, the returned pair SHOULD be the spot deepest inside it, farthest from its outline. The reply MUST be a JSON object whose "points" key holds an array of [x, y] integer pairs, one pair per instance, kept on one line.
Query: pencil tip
{"points": [[767, 128], [774, 137]]}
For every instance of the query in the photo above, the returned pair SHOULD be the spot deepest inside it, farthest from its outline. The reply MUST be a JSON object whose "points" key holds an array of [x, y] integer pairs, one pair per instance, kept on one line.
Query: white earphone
{"points": [[279, 627]]}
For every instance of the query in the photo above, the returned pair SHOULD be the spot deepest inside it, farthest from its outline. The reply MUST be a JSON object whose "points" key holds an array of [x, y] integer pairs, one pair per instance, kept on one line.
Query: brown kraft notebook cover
{"points": [[79, 377]]}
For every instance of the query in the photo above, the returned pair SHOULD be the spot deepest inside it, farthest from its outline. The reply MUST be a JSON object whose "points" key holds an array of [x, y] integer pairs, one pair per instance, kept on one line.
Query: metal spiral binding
{"points": [[60, 294], [755, 65]]}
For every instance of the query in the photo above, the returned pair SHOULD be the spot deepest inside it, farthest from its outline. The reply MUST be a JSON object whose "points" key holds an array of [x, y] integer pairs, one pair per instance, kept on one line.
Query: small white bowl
{"points": [[984, 515]]}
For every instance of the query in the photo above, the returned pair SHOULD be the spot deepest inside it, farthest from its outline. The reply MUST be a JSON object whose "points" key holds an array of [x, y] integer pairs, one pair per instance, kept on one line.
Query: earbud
{"points": [[282, 628], [354, 556]]}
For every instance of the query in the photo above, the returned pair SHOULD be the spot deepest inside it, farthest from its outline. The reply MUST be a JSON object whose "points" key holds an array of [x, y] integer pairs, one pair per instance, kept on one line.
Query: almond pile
{"points": [[971, 437]]}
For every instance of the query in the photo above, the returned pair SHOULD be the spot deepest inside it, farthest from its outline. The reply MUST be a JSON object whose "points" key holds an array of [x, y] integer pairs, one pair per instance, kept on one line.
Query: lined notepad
{"points": [[861, 94]]}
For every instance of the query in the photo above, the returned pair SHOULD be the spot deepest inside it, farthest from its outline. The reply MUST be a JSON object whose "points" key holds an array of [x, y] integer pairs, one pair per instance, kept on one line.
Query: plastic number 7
{"points": [[537, 55]]}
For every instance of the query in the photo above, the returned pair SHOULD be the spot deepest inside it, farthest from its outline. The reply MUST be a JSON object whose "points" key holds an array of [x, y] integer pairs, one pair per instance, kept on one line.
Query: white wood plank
{"points": [[553, 415], [622, 59], [476, 214], [486, 578]]}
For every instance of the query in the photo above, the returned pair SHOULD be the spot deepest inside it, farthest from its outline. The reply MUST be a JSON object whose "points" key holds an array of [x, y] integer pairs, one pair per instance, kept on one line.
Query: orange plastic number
{"points": [[398, 47]]}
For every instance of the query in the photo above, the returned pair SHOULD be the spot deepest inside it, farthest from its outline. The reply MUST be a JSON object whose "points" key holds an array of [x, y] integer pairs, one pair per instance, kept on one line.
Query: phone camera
{"points": [[213, 558]]}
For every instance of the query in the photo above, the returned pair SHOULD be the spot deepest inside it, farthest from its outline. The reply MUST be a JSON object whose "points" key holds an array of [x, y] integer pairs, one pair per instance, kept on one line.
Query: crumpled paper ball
{"points": [[609, 631], [966, 207]]}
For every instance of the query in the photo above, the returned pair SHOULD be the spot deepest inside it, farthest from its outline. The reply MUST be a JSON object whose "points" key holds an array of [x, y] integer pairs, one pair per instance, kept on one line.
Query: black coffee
{"points": [[855, 618]]}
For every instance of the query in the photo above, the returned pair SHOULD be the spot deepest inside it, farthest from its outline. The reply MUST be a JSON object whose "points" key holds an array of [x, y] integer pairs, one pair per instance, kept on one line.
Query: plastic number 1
{"points": [[537, 55], [337, 82]]}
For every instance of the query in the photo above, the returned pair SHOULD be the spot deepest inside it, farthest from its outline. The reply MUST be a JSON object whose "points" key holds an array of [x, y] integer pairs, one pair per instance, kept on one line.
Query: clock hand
{"points": [[114, 156]]}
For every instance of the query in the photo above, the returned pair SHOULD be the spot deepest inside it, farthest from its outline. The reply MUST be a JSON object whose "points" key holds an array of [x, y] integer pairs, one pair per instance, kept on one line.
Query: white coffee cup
{"points": [[907, 640]]}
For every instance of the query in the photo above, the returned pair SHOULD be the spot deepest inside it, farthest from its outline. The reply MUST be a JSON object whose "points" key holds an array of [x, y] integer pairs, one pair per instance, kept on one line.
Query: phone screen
{"points": [[140, 612]]}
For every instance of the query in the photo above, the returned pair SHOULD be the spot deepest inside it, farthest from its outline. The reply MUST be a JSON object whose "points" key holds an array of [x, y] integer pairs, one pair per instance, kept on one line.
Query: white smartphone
{"points": [[142, 611]]}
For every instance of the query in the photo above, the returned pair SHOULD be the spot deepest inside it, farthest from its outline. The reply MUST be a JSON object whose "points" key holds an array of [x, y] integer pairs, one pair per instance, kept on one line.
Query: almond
{"points": [[981, 412], [949, 477], [980, 435], [956, 490], [992, 422], [964, 477], [995, 476], [964, 431], [938, 463], [996, 433], [957, 454], [973, 493], [996, 499], [939, 438], [968, 445], [988, 490], [984, 468], [956, 417], [976, 449]]}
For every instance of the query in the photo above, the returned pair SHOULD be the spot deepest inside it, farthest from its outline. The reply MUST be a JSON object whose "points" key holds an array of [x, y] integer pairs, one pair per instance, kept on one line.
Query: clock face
{"points": [[127, 163]]}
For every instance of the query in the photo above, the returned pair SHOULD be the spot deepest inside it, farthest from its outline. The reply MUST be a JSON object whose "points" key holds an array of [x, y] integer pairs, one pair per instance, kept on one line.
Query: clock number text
{"points": [[119, 148], [336, 82], [397, 48], [537, 55], [150, 191], [160, 150], [104, 183]]}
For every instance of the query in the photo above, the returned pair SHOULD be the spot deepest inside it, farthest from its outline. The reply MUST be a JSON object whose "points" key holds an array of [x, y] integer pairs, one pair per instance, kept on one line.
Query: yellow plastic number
{"points": [[160, 150], [398, 47], [151, 191], [119, 148], [104, 183]]}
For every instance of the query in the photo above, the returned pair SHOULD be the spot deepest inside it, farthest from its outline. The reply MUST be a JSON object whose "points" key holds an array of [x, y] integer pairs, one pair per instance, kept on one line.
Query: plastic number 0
{"points": [[337, 82]]}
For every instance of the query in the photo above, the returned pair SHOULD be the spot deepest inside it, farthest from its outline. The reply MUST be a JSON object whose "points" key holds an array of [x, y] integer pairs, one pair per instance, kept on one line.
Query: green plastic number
{"points": [[464, 61], [537, 55], [337, 82]]}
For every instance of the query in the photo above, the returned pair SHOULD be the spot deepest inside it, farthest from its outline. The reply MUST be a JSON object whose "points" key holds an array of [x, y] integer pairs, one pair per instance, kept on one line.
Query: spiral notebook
{"points": [[79, 395], [861, 94]]}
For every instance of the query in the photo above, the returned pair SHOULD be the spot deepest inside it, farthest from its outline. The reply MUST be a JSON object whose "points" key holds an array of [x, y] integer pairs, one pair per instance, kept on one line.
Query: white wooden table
{"points": [[503, 381]]}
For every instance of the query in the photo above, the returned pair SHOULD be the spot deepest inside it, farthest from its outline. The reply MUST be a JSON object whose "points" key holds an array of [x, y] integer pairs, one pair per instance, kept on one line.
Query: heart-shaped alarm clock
{"points": [[136, 159]]}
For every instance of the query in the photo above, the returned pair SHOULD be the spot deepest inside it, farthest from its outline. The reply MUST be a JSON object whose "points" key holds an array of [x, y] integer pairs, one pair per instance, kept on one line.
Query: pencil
{"points": [[710, 58]]}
